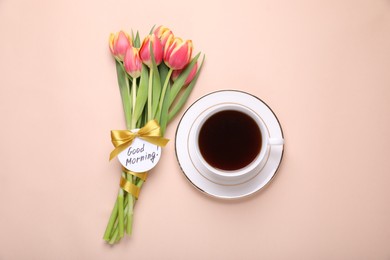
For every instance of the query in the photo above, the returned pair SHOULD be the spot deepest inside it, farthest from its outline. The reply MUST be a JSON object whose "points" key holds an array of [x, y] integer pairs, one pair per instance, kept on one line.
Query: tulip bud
{"points": [[145, 50], [177, 53], [119, 43], [132, 62], [190, 77], [163, 33]]}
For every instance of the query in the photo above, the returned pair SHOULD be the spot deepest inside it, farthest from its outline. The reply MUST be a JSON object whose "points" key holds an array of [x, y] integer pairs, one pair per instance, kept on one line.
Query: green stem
{"points": [[130, 178], [160, 105], [134, 94], [120, 213], [115, 231], [129, 120], [129, 226], [111, 222], [150, 116], [124, 90], [114, 237], [139, 184], [131, 203]]}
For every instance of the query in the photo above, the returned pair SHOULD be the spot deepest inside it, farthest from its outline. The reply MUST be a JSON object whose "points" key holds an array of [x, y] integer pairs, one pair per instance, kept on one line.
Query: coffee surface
{"points": [[229, 140]]}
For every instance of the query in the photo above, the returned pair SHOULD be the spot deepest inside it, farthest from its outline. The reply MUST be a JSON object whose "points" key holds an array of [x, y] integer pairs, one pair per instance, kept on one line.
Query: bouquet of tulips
{"points": [[155, 78]]}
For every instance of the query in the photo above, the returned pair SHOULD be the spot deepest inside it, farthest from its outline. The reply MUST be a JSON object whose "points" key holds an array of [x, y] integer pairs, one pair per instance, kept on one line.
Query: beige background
{"points": [[323, 66]]}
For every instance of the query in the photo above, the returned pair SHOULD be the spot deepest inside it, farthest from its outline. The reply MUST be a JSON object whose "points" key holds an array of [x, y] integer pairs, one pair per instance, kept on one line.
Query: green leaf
{"points": [[137, 41], [142, 94], [120, 63], [121, 73], [143, 119], [183, 98], [124, 90], [163, 94], [151, 30], [156, 83], [164, 111], [179, 82], [163, 71]]}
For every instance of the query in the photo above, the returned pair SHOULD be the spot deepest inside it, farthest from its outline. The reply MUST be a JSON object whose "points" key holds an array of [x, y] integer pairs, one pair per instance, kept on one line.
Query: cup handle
{"points": [[275, 141]]}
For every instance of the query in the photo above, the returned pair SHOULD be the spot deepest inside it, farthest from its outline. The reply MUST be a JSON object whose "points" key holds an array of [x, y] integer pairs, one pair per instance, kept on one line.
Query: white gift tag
{"points": [[140, 156]]}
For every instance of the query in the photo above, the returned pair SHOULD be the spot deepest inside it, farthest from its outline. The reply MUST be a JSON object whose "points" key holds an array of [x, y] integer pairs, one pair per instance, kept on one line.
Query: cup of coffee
{"points": [[230, 143]]}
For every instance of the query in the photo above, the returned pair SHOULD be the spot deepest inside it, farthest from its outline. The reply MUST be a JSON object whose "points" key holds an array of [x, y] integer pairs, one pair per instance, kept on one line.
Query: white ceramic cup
{"points": [[236, 176]]}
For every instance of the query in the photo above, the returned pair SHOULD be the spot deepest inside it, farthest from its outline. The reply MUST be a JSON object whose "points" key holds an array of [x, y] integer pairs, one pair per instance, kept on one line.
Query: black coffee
{"points": [[229, 140]]}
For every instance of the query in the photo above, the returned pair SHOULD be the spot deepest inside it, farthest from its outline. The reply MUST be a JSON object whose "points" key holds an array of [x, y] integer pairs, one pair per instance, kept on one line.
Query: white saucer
{"points": [[186, 163]]}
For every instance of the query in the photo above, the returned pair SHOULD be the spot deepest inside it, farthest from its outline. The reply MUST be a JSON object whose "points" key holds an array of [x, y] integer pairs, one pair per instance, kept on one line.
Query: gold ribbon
{"points": [[122, 139], [129, 187], [141, 175]]}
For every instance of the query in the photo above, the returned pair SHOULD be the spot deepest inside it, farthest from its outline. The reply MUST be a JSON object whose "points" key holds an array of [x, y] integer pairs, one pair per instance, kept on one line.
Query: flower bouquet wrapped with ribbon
{"points": [[155, 78]]}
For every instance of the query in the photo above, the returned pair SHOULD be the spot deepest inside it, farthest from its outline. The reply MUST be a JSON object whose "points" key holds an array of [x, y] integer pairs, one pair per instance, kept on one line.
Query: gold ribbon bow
{"points": [[122, 139]]}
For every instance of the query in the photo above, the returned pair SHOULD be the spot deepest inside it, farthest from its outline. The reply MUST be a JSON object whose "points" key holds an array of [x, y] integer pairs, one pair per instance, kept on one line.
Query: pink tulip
{"points": [[163, 33], [119, 43], [145, 50], [132, 62], [190, 77], [177, 53]]}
